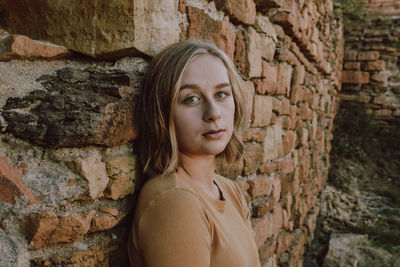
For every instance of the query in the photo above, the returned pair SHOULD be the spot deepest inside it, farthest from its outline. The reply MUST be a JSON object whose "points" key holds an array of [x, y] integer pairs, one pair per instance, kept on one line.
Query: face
{"points": [[204, 113]]}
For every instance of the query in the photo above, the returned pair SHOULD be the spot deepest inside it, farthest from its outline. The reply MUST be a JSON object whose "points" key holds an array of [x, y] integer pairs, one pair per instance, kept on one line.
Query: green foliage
{"points": [[352, 12]]}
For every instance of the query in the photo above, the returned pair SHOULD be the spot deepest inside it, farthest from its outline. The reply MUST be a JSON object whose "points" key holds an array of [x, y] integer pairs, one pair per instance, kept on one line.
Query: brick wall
{"points": [[67, 166], [372, 63]]}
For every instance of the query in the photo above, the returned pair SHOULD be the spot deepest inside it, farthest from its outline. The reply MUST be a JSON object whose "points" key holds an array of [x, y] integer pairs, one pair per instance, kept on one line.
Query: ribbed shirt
{"points": [[177, 224]]}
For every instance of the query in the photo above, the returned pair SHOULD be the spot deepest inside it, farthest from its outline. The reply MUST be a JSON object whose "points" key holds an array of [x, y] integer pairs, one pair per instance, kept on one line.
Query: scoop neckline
{"points": [[220, 204]]}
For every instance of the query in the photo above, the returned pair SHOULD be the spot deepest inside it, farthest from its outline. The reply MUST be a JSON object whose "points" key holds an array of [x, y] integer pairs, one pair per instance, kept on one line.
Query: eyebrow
{"points": [[194, 86]]}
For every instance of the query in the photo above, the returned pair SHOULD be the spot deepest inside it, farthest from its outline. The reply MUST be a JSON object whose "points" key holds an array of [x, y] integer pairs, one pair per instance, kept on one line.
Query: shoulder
{"points": [[229, 186], [165, 191]]}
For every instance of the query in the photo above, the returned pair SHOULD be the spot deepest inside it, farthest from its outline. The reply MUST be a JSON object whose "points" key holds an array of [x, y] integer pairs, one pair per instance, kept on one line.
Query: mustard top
{"points": [[177, 224]]}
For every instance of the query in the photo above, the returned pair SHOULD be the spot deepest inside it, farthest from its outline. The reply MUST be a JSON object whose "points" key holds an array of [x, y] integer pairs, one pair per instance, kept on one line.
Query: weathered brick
{"points": [[381, 77], [283, 243], [289, 142], [273, 145], [263, 229], [262, 111], [253, 158], [383, 113], [368, 55], [277, 219], [352, 65], [268, 167], [297, 94], [220, 31], [253, 135], [248, 53], [267, 250], [121, 171], [350, 55], [384, 100], [355, 77], [284, 79], [248, 94], [376, 65], [261, 186], [276, 105], [241, 11], [270, 75]]}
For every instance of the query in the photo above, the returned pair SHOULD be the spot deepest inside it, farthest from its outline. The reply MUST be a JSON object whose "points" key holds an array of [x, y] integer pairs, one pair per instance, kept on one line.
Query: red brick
{"points": [[261, 186], [284, 241], [289, 142], [381, 77], [376, 65], [286, 166], [11, 185], [270, 74], [384, 100], [285, 106], [350, 55], [253, 158], [254, 135], [268, 167], [203, 26], [297, 94], [355, 77], [243, 11], [263, 229], [383, 113], [267, 250], [182, 6], [369, 55], [103, 222], [284, 79], [352, 65], [277, 219], [262, 111]]}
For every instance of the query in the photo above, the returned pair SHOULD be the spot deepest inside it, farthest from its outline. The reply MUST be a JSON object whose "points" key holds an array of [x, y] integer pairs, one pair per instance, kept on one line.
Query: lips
{"points": [[214, 134]]}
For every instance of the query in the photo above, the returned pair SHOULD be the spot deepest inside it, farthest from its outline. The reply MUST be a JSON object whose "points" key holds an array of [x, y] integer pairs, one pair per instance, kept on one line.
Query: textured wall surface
{"points": [[67, 97], [372, 61]]}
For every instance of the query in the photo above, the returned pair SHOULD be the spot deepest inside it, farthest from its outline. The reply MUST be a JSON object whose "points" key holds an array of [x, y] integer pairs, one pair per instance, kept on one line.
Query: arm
{"points": [[174, 231]]}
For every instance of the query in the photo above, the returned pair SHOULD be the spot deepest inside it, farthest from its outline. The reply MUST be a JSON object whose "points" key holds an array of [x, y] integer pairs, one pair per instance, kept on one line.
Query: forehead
{"points": [[205, 69]]}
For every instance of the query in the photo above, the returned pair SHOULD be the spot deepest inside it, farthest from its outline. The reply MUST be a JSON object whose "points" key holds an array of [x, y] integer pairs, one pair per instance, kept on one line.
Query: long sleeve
{"points": [[174, 231]]}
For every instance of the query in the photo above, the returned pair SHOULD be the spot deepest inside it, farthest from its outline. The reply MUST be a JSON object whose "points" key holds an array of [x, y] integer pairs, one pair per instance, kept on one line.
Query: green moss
{"points": [[352, 12]]}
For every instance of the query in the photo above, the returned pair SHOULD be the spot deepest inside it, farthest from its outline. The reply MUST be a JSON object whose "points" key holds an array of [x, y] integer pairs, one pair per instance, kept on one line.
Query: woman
{"points": [[186, 215]]}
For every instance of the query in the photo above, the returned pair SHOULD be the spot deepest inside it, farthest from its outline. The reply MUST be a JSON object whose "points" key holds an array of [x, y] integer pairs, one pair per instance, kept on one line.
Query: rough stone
{"points": [[94, 172], [355, 77], [368, 55], [102, 29], [248, 53], [354, 250], [9, 252], [11, 185], [220, 31], [270, 75], [273, 145], [78, 107], [262, 111], [20, 46], [121, 171], [263, 229], [261, 186], [240, 10], [283, 85], [381, 77], [253, 157]]}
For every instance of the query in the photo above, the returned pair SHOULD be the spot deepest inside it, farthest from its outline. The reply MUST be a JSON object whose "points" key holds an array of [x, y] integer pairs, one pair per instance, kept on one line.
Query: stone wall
{"points": [[372, 61], [67, 94]]}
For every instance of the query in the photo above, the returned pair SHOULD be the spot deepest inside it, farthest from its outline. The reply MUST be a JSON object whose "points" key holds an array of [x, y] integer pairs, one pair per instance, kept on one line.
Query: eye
{"points": [[191, 99], [222, 94]]}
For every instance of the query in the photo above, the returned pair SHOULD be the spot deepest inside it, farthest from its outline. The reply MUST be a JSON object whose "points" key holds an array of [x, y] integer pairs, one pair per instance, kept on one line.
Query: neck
{"points": [[199, 169]]}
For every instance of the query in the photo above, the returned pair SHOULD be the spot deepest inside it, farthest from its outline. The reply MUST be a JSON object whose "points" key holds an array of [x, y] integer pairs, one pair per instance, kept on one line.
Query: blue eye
{"points": [[221, 94], [191, 99]]}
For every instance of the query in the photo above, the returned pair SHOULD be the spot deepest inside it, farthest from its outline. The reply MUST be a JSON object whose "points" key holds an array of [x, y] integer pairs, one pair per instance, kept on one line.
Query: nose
{"points": [[211, 111]]}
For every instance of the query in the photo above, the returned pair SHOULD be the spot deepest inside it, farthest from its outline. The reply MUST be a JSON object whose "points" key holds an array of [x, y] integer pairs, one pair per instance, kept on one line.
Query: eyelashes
{"points": [[220, 95]]}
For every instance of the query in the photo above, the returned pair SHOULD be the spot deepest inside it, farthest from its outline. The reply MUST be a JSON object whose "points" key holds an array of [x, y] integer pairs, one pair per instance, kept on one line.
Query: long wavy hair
{"points": [[156, 144]]}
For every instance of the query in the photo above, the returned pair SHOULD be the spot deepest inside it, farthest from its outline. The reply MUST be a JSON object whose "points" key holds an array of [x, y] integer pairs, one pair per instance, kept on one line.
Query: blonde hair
{"points": [[157, 144]]}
